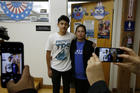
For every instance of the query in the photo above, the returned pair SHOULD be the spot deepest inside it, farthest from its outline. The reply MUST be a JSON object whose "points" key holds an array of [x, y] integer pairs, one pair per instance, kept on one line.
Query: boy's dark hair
{"points": [[81, 25], [63, 17]]}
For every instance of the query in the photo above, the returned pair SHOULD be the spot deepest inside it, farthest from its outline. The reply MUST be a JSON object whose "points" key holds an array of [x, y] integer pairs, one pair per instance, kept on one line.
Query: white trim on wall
{"points": [[115, 40]]}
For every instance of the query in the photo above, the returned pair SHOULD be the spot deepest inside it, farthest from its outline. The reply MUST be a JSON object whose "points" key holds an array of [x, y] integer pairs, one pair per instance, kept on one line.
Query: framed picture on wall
{"points": [[89, 28], [24, 11], [104, 29]]}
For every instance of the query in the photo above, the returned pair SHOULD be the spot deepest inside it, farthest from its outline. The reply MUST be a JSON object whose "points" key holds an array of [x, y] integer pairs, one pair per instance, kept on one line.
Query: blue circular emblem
{"points": [[16, 10]]}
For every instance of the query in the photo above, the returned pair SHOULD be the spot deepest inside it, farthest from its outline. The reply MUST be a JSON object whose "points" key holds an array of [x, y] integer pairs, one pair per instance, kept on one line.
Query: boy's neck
{"points": [[62, 33]]}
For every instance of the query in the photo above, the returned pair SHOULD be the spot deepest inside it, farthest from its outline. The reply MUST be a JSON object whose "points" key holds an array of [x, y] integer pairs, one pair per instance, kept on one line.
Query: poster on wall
{"points": [[98, 18], [104, 29], [99, 12], [129, 24], [77, 12], [89, 28], [24, 11]]}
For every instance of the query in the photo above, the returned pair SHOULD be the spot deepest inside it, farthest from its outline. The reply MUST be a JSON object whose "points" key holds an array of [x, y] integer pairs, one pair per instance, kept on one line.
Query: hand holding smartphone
{"points": [[12, 61], [109, 54]]}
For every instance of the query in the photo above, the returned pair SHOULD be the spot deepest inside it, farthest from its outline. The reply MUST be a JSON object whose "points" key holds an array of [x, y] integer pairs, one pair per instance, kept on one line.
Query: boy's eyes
{"points": [[63, 24]]}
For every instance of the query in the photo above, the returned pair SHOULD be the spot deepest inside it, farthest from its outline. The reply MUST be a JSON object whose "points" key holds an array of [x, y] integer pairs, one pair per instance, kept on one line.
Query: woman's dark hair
{"points": [[63, 17], [81, 25]]}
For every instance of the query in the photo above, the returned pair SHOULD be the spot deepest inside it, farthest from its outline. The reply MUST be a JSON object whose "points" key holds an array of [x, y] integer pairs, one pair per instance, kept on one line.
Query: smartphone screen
{"points": [[12, 62], [109, 54]]}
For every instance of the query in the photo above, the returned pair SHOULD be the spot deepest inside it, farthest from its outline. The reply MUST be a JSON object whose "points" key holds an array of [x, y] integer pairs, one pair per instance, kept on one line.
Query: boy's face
{"points": [[63, 26]]}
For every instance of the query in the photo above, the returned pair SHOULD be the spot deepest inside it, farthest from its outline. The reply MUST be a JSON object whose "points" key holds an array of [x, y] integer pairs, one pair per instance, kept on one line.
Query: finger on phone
{"points": [[128, 50], [124, 56], [123, 65], [26, 71]]}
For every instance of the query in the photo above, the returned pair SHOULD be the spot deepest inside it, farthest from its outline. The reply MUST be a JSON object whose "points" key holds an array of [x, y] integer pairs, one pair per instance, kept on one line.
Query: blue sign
{"points": [[129, 26]]}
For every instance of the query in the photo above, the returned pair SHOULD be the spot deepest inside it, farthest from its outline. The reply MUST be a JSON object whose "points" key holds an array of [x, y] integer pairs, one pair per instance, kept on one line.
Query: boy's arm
{"points": [[48, 59]]}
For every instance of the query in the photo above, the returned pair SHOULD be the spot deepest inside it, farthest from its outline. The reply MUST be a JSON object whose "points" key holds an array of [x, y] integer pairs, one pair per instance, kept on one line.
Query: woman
{"points": [[80, 52]]}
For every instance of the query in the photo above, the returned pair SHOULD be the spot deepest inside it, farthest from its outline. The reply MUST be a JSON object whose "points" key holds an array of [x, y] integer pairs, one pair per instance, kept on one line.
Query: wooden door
{"points": [[138, 76], [123, 83]]}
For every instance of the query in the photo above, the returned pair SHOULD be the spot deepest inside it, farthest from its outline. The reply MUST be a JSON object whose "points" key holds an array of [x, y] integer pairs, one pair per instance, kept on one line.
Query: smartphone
{"points": [[109, 54], [12, 61]]}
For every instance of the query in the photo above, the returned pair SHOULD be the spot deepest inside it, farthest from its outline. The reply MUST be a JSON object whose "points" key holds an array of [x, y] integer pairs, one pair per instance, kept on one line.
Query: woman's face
{"points": [[80, 33]]}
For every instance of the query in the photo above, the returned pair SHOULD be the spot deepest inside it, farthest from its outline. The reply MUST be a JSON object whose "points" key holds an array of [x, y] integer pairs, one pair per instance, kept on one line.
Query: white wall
{"points": [[57, 8], [115, 41], [34, 41]]}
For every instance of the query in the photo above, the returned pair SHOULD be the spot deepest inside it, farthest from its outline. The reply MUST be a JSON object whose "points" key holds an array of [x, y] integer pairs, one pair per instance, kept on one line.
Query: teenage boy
{"points": [[58, 56]]}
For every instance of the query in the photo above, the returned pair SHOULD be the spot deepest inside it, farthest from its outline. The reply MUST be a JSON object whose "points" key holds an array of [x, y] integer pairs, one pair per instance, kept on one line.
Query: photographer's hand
{"points": [[26, 82], [132, 61], [94, 70]]}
